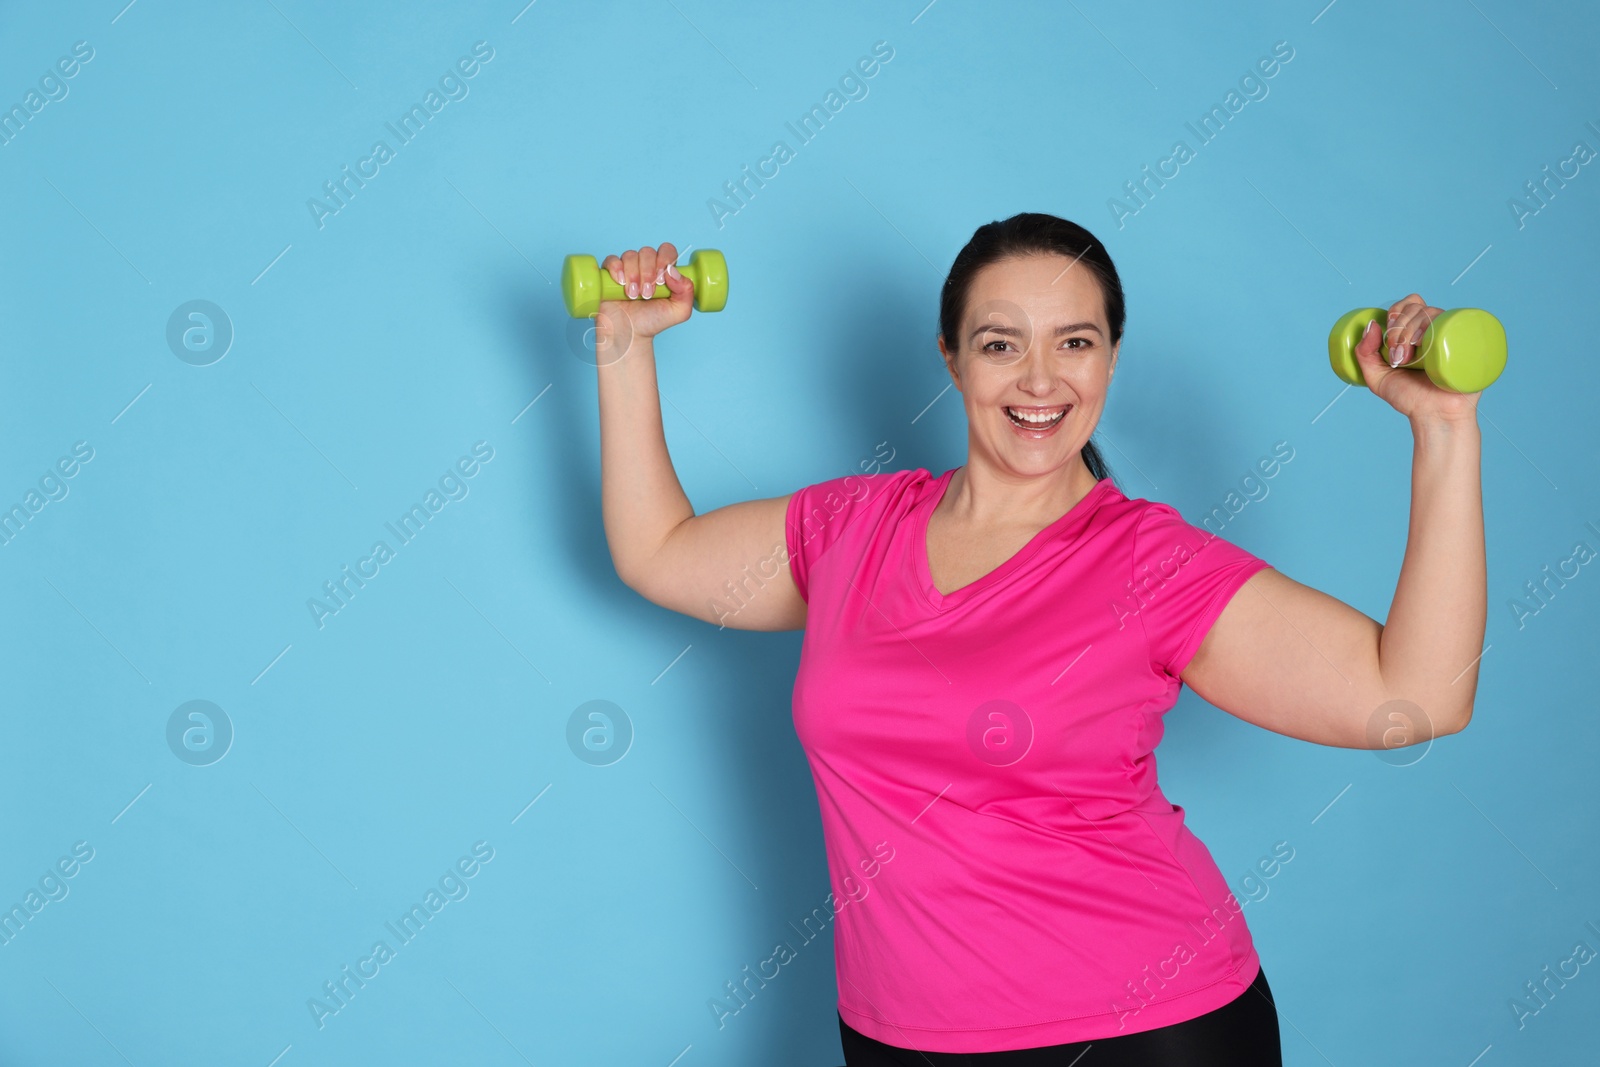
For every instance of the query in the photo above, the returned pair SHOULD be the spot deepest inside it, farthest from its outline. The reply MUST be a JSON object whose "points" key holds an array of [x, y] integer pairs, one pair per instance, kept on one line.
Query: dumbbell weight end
{"points": [[1462, 350]]}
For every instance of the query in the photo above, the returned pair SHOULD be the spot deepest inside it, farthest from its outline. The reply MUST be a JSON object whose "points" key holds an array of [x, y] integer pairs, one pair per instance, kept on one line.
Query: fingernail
{"points": [[1396, 355], [673, 270], [633, 290]]}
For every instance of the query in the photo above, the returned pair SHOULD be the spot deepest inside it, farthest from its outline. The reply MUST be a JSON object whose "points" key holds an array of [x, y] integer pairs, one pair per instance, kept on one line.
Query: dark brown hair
{"points": [[1032, 233]]}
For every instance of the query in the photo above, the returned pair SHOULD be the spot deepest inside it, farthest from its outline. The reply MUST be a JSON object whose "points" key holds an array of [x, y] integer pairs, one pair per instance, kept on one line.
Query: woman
{"points": [[988, 655]]}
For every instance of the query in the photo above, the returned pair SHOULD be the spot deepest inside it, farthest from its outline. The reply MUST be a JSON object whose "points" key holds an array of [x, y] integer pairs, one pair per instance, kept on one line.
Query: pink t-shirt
{"points": [[1006, 871]]}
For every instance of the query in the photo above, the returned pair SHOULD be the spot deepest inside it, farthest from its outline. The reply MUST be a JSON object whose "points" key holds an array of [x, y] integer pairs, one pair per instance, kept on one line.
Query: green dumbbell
{"points": [[1463, 350], [584, 284]]}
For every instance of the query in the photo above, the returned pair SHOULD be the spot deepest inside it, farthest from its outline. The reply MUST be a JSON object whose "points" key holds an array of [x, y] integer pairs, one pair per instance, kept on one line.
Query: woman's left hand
{"points": [[1409, 391]]}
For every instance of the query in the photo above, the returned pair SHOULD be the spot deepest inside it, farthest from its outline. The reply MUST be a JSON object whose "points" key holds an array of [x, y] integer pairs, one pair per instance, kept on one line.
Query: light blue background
{"points": [[371, 353]]}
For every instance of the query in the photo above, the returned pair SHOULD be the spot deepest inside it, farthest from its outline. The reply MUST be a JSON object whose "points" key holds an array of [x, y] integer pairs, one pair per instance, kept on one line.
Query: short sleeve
{"points": [[1182, 578], [819, 515]]}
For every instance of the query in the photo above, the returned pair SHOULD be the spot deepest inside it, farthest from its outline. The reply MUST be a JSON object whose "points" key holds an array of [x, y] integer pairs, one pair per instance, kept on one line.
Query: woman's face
{"points": [[1034, 362]]}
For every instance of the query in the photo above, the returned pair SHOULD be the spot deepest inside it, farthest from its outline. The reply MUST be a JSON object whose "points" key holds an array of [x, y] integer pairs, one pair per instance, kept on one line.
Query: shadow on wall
{"points": [[743, 721]]}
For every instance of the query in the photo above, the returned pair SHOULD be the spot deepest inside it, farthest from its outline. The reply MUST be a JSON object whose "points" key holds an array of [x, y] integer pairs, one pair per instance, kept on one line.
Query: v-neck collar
{"points": [[919, 546]]}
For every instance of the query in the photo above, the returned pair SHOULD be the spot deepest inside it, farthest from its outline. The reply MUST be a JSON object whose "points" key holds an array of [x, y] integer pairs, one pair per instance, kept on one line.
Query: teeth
{"points": [[1037, 419]]}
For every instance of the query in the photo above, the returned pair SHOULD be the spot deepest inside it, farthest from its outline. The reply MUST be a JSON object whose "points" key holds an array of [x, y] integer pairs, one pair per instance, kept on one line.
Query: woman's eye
{"points": [[1074, 344]]}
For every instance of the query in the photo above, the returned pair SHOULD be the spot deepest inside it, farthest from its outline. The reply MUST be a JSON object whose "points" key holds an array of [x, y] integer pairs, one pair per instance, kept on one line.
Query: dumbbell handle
{"points": [[610, 289], [1462, 350]]}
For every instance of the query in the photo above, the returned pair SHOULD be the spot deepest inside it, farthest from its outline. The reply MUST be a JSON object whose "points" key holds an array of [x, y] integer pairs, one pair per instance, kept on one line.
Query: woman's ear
{"points": [[949, 364]]}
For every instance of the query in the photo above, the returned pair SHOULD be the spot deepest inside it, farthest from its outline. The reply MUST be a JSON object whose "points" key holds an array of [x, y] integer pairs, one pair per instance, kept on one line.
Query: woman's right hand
{"points": [[641, 315]]}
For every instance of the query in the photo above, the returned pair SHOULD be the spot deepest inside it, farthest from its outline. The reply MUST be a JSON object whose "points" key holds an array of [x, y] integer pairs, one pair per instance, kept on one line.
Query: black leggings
{"points": [[1241, 1033]]}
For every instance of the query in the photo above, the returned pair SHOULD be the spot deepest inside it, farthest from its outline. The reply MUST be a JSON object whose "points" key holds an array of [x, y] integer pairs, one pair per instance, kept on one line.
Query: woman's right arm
{"points": [[714, 567]]}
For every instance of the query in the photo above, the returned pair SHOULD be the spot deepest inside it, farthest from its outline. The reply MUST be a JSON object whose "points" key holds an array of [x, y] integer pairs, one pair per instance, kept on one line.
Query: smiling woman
{"points": [[965, 692]]}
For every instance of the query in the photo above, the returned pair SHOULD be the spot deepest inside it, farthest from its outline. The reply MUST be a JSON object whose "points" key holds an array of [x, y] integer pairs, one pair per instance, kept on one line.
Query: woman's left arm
{"points": [[1296, 661]]}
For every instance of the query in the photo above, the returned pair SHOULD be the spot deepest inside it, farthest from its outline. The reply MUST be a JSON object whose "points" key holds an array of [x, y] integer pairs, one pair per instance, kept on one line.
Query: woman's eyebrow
{"points": [[1012, 331]]}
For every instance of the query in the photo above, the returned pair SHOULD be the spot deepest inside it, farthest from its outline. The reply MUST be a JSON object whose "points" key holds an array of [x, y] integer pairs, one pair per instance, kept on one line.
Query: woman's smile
{"points": [[1034, 422]]}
